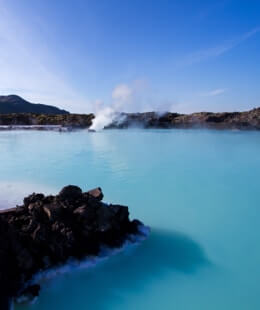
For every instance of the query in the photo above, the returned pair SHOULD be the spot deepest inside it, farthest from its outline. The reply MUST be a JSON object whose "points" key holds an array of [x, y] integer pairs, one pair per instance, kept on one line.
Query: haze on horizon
{"points": [[182, 56]]}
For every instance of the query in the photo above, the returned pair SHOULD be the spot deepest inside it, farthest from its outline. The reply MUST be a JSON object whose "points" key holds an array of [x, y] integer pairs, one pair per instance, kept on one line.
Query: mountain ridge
{"points": [[246, 120], [15, 104]]}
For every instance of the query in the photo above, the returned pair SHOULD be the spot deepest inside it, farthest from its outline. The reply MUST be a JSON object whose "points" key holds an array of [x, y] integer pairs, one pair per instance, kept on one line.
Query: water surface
{"points": [[197, 190]]}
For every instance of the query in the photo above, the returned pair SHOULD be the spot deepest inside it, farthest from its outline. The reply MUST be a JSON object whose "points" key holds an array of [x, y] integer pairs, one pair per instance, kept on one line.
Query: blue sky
{"points": [[141, 55]]}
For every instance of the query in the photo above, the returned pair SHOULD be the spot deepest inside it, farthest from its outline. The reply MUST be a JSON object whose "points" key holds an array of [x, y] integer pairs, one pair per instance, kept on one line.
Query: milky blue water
{"points": [[199, 191]]}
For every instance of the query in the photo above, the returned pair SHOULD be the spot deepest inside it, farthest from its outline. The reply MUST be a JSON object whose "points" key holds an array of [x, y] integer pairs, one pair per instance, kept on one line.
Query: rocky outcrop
{"points": [[29, 119], [48, 230], [236, 120], [227, 120]]}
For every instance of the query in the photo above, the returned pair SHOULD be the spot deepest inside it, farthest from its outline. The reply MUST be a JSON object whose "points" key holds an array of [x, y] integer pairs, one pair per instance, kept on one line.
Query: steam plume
{"points": [[134, 97]]}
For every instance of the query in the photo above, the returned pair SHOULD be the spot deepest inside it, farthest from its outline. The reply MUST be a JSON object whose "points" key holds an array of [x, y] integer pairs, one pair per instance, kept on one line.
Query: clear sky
{"points": [[185, 55]]}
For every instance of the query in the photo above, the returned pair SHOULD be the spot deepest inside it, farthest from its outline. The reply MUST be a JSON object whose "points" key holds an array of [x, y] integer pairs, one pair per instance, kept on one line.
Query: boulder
{"points": [[48, 230], [53, 211], [96, 193], [70, 193], [32, 199]]}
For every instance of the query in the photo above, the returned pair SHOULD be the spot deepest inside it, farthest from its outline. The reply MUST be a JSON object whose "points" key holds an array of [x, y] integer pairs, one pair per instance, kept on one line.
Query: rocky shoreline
{"points": [[46, 231], [248, 120], [35, 127], [34, 120]]}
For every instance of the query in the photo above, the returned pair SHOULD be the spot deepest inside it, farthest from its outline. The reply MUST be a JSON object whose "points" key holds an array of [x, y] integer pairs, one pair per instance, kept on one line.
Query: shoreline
{"points": [[248, 120], [61, 129], [86, 263], [35, 127], [46, 232], [75, 265]]}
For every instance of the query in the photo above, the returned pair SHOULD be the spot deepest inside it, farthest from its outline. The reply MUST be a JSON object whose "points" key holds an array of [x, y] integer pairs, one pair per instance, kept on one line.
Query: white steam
{"points": [[134, 97], [121, 93], [103, 118], [121, 97]]}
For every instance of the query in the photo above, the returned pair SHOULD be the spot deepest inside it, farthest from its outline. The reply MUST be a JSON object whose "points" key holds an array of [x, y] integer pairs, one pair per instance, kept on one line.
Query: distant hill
{"points": [[15, 104]]}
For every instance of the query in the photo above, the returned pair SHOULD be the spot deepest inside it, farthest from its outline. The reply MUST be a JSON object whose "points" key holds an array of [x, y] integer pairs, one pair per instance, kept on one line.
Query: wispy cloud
{"points": [[218, 50], [27, 67], [214, 92], [121, 92]]}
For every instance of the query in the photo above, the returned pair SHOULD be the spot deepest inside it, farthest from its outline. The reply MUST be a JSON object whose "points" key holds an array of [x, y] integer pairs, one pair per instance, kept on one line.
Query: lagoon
{"points": [[198, 190]]}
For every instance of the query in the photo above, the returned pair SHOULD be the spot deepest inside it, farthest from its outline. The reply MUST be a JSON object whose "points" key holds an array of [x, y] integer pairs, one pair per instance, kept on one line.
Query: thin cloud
{"points": [[214, 92], [27, 71], [121, 92], [216, 51]]}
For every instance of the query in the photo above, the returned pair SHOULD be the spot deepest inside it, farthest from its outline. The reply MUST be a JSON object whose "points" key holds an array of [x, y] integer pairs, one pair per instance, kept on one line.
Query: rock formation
{"points": [[226, 120], [48, 230], [248, 120], [29, 119]]}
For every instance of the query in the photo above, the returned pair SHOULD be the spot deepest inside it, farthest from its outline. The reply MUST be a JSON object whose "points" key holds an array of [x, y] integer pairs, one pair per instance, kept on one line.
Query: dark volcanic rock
{"points": [[47, 230], [226, 120], [236, 120], [70, 192], [29, 119], [97, 193]]}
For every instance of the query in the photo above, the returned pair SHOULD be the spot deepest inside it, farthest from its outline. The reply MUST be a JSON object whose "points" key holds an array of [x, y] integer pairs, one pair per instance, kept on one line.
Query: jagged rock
{"points": [[53, 211], [32, 119], [48, 230], [226, 120], [96, 193], [31, 199]]}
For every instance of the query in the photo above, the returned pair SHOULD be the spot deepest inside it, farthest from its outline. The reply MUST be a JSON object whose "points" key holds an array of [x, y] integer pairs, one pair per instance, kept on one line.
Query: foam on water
{"points": [[89, 262]]}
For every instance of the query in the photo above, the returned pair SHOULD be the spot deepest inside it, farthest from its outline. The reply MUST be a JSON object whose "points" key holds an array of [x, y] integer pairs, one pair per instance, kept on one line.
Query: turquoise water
{"points": [[197, 190]]}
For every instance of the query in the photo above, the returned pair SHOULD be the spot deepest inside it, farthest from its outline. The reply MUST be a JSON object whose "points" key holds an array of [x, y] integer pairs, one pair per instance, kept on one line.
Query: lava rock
{"points": [[48, 230], [96, 193], [70, 192], [236, 120]]}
